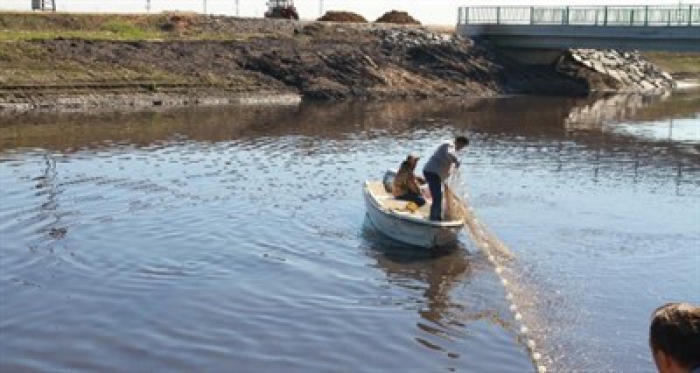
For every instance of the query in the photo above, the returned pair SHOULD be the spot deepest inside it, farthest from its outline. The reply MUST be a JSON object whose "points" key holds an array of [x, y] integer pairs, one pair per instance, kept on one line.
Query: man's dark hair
{"points": [[675, 330], [462, 139]]}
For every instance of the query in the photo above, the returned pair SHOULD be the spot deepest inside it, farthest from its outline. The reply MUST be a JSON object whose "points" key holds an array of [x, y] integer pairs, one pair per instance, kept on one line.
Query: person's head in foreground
{"points": [[674, 337], [461, 142]]}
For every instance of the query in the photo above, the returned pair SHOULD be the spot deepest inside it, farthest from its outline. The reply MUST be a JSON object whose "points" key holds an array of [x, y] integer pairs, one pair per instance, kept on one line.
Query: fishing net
{"points": [[459, 208], [455, 208]]}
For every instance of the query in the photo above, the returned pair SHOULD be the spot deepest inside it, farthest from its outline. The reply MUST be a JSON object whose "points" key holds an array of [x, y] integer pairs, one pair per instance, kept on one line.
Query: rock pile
{"points": [[397, 17], [414, 37], [629, 70], [334, 16]]}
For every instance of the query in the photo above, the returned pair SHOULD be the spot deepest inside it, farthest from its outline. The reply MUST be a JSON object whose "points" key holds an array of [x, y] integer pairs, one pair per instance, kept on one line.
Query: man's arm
{"points": [[452, 154]]}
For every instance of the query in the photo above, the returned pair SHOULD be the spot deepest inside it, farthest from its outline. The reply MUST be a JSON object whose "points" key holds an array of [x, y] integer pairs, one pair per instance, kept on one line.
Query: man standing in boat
{"points": [[438, 169]]}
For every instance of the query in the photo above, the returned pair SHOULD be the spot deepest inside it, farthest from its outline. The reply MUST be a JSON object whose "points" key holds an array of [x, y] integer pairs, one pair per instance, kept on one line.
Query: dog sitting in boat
{"points": [[406, 186]]}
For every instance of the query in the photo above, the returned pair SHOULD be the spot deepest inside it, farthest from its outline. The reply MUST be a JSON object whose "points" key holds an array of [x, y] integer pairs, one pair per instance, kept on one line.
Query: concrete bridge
{"points": [[539, 34]]}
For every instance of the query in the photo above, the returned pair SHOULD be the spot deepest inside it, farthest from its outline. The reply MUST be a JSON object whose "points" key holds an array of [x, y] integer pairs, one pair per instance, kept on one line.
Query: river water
{"points": [[235, 239]]}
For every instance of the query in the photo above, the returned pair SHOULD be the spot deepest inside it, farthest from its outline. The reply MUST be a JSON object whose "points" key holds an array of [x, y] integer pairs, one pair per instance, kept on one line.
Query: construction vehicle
{"points": [[44, 5], [281, 9]]}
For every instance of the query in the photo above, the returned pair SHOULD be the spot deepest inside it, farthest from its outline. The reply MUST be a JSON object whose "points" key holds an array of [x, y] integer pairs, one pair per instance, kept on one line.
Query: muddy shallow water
{"points": [[235, 239]]}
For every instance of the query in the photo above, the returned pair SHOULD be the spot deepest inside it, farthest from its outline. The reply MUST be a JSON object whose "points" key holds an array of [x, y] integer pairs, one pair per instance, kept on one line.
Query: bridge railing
{"points": [[680, 15]]}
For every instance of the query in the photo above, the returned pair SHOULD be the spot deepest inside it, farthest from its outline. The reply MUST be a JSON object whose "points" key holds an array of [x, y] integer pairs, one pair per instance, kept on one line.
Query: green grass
{"points": [[122, 30], [129, 35], [117, 29], [680, 64], [42, 26], [21, 63]]}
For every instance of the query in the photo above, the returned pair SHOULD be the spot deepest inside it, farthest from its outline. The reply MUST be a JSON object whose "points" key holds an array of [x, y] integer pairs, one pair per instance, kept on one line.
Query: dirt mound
{"points": [[332, 16], [398, 17], [178, 21]]}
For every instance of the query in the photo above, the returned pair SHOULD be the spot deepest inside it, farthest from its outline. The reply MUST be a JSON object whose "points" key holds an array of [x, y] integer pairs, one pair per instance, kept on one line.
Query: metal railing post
{"points": [[669, 17], [459, 16], [646, 15], [690, 15], [566, 16], [632, 17], [498, 15], [532, 15], [605, 16]]}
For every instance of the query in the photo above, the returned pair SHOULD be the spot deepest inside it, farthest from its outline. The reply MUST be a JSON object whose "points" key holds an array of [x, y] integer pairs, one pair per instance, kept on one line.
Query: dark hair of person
{"points": [[675, 330], [462, 139]]}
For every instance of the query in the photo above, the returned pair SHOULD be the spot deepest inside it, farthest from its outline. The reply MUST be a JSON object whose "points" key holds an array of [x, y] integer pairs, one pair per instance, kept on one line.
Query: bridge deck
{"points": [[670, 28], [603, 16]]}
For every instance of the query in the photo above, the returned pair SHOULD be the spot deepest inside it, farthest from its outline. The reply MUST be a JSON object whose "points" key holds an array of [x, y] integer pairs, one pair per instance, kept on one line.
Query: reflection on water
{"points": [[672, 119], [440, 271], [440, 286], [671, 130], [211, 237]]}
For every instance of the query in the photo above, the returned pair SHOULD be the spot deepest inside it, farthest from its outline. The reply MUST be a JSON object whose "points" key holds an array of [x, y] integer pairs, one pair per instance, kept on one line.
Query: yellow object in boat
{"points": [[412, 207]]}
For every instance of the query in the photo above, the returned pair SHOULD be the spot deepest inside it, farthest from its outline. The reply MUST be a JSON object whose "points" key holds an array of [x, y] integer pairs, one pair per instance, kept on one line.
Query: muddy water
{"points": [[235, 239]]}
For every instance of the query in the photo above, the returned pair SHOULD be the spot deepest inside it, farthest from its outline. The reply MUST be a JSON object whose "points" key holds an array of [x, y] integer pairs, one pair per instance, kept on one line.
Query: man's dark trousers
{"points": [[435, 186]]}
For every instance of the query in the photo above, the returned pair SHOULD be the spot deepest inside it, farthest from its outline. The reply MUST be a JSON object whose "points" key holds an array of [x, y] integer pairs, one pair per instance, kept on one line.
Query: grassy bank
{"points": [[132, 27], [680, 65], [27, 56], [43, 26]]}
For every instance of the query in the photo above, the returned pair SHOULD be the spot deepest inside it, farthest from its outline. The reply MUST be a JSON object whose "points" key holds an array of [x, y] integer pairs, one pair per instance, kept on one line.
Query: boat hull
{"points": [[410, 231]]}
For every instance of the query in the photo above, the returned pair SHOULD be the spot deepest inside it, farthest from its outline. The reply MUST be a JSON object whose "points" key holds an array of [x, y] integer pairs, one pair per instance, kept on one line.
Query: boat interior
{"points": [[387, 201]]}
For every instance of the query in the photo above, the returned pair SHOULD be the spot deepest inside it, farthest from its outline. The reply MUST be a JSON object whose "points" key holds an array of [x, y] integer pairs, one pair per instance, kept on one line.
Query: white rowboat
{"points": [[391, 217]]}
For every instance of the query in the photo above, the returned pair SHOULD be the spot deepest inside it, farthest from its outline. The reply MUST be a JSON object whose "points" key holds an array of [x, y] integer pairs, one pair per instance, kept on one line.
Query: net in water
{"points": [[458, 207]]}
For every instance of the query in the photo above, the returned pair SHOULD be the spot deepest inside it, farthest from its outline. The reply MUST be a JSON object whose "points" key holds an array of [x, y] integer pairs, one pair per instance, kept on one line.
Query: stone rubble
{"points": [[413, 37], [630, 70]]}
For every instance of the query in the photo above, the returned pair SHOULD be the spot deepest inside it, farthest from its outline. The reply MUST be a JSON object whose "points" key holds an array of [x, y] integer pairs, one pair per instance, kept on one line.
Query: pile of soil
{"points": [[398, 17], [334, 16], [178, 21]]}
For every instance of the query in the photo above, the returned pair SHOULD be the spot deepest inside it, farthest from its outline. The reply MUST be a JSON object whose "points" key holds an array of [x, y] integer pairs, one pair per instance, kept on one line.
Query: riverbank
{"points": [[88, 61]]}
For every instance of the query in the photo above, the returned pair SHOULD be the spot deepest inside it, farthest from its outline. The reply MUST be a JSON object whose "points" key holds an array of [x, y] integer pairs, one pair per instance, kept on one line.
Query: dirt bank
{"points": [[49, 61]]}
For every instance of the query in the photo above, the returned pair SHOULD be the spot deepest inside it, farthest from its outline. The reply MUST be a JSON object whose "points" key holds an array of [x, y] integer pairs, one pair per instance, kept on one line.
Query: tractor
{"points": [[281, 9]]}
